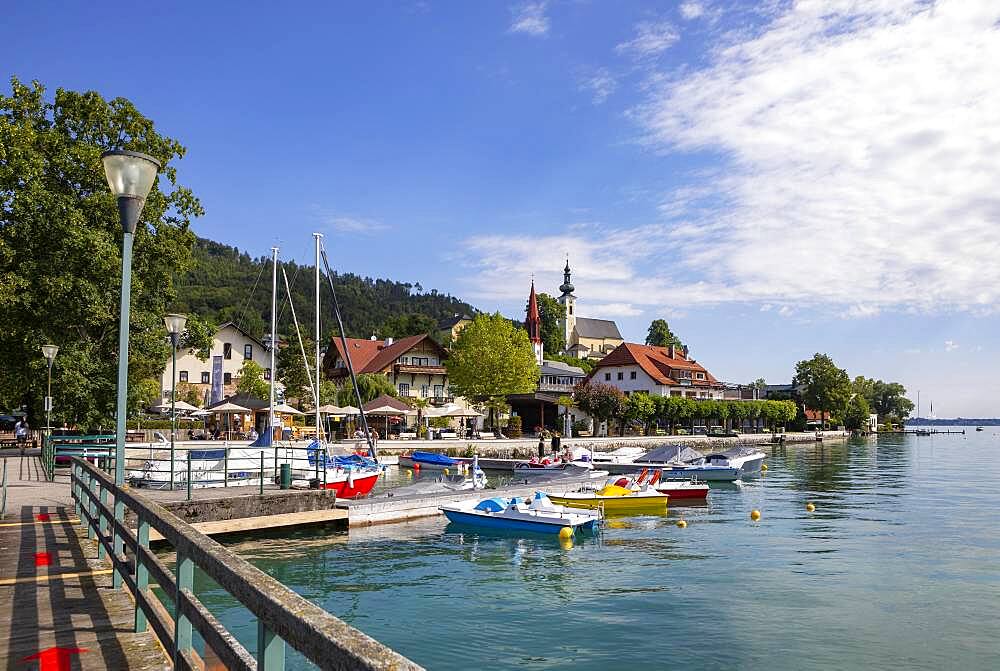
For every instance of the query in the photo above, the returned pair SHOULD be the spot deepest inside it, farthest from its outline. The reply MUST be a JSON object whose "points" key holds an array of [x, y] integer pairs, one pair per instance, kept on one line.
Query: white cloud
{"points": [[350, 224], [529, 18], [599, 84], [950, 345], [859, 152], [692, 10], [861, 311], [651, 39], [605, 310]]}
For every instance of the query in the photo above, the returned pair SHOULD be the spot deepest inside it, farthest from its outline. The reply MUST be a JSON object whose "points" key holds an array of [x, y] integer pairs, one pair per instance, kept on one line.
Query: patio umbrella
{"points": [[229, 409], [329, 409], [388, 411], [286, 409]]}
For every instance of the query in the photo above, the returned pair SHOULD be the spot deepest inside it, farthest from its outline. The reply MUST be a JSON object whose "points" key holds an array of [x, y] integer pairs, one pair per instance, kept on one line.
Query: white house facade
{"points": [[231, 346], [659, 371]]}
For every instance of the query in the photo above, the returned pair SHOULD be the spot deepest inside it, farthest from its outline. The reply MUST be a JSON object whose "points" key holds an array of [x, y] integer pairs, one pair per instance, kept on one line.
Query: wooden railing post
{"points": [[184, 577], [101, 552], [95, 489], [141, 574], [270, 649]]}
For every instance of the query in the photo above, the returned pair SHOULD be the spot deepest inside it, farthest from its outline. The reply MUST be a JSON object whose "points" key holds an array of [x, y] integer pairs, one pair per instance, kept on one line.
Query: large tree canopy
{"points": [[659, 334], [550, 312], [825, 387], [490, 359], [60, 249]]}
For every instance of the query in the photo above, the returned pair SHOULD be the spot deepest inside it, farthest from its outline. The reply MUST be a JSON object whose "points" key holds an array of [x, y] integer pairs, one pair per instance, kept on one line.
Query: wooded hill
{"points": [[224, 284]]}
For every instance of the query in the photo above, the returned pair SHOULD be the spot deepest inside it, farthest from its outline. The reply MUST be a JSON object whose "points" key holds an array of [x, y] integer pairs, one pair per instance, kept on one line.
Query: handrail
{"points": [[283, 615], [3, 501]]}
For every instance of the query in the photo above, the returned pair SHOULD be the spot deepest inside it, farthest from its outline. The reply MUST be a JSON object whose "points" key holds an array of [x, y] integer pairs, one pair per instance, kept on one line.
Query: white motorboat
{"points": [[541, 515]]}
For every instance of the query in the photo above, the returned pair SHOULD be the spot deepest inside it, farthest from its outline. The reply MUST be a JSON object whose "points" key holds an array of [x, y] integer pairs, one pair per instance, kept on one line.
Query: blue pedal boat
{"points": [[540, 515]]}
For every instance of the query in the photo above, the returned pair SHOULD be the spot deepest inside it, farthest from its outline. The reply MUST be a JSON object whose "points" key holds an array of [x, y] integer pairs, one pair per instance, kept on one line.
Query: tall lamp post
{"points": [[131, 176], [49, 352], [175, 327]]}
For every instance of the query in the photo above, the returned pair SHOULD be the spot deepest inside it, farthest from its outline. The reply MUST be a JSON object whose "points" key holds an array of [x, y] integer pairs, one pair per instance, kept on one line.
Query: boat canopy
{"points": [[665, 453], [433, 458], [613, 490], [494, 505]]}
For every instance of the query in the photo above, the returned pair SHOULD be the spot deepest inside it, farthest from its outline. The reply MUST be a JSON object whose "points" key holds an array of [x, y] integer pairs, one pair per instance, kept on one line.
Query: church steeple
{"points": [[534, 324], [568, 300]]}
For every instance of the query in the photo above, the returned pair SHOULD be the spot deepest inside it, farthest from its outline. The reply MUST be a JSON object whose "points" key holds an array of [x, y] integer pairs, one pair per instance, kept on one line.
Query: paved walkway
{"points": [[62, 610]]}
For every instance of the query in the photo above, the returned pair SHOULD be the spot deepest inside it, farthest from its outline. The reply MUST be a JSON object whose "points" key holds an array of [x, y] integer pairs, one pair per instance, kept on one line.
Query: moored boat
{"points": [[614, 499], [652, 480], [430, 460], [542, 515]]}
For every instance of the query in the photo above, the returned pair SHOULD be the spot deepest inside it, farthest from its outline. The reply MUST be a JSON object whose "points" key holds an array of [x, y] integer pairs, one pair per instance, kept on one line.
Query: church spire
{"points": [[567, 285], [534, 324]]}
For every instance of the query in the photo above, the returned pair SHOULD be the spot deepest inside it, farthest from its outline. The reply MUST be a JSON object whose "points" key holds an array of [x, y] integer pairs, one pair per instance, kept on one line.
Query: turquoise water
{"points": [[899, 567]]}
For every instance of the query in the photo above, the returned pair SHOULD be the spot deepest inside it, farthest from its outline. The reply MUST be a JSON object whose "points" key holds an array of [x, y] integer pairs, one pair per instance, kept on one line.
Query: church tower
{"points": [[534, 325], [568, 301]]}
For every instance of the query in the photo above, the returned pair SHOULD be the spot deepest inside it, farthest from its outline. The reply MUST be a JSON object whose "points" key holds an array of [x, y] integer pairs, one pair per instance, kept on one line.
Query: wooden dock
{"points": [[60, 609]]}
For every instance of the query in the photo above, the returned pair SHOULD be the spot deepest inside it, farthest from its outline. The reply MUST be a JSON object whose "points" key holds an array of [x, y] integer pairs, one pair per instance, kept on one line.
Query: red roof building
{"points": [[661, 371], [414, 365], [533, 324]]}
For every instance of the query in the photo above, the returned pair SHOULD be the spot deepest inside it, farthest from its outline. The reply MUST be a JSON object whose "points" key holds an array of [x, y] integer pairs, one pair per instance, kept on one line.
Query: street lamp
{"points": [[130, 176], [175, 327], [49, 352]]}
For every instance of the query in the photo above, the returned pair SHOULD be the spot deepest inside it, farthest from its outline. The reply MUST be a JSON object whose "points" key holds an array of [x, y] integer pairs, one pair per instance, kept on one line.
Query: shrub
{"points": [[514, 427]]}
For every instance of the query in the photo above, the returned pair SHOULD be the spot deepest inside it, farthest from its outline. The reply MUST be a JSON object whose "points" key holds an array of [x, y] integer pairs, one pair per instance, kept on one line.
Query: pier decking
{"points": [[60, 609]]}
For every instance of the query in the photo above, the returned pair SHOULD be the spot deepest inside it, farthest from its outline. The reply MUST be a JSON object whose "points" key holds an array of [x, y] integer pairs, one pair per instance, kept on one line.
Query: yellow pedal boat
{"points": [[614, 499]]}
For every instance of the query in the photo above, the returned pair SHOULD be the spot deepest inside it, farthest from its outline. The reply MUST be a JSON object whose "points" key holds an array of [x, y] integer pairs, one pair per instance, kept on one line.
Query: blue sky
{"points": [[775, 179]]}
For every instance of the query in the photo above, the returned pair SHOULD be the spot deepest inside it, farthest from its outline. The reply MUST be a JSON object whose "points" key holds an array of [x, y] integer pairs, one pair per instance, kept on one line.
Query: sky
{"points": [[773, 178]]}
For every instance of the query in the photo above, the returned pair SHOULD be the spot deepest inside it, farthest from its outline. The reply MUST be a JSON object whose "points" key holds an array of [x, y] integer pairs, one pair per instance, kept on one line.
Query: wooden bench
{"points": [[408, 435], [449, 435]]}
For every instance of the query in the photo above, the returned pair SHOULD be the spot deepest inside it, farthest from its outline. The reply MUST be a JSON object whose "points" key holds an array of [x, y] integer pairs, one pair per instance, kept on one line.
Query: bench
{"points": [[449, 435], [408, 435]]}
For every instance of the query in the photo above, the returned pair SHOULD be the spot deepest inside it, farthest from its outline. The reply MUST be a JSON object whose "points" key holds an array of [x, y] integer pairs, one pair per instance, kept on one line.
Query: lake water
{"points": [[898, 567]]}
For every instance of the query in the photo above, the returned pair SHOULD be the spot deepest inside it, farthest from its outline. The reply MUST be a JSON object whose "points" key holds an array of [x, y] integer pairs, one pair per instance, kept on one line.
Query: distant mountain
{"points": [[957, 421], [225, 284]]}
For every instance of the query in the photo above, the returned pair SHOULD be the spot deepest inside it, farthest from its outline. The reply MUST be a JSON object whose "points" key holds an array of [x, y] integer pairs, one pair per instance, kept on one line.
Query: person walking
{"points": [[21, 434]]}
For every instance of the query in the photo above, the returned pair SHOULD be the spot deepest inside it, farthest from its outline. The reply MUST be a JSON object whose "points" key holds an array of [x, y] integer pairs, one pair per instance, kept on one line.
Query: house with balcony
{"points": [[231, 346], [414, 365], [660, 371]]}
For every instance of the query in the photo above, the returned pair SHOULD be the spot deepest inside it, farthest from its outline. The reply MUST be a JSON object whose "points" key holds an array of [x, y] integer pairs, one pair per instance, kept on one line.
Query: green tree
{"points": [[292, 371], [189, 394], [251, 381], [410, 324], [856, 413], [550, 312], [603, 402], [759, 383], [887, 399], [825, 387], [490, 359], [60, 249], [640, 408], [371, 386], [142, 395], [659, 334], [198, 335]]}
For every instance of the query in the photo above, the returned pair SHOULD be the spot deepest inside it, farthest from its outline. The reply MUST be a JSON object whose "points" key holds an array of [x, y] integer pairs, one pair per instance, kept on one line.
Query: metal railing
{"points": [[283, 616], [98, 447], [3, 486]]}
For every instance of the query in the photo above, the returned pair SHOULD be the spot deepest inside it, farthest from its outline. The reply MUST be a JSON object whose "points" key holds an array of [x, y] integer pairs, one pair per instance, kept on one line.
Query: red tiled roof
{"points": [[655, 362], [815, 415], [372, 356]]}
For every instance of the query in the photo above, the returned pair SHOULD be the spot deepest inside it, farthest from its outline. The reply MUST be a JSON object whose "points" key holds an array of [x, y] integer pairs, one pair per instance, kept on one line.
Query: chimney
{"points": [[671, 350], [684, 352], [388, 341]]}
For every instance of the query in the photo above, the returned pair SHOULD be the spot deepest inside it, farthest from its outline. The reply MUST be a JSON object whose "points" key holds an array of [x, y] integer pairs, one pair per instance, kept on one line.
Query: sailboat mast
{"points": [[319, 364], [274, 337]]}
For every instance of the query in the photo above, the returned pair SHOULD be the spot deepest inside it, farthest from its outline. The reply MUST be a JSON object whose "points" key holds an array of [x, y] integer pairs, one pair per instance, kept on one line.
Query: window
{"points": [[227, 378], [700, 376], [227, 351], [424, 390], [267, 373], [182, 375], [621, 375], [607, 376], [206, 377], [248, 351], [404, 389], [438, 390], [419, 360], [631, 375], [404, 360], [571, 309]]}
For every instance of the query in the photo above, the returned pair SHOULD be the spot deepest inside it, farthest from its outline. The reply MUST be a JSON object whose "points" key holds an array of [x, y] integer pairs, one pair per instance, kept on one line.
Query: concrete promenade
{"points": [[60, 611]]}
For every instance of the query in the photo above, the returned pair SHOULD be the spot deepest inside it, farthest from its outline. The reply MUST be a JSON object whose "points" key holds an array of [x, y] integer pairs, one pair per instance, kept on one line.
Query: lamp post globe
{"points": [[175, 327], [131, 175], [49, 352]]}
